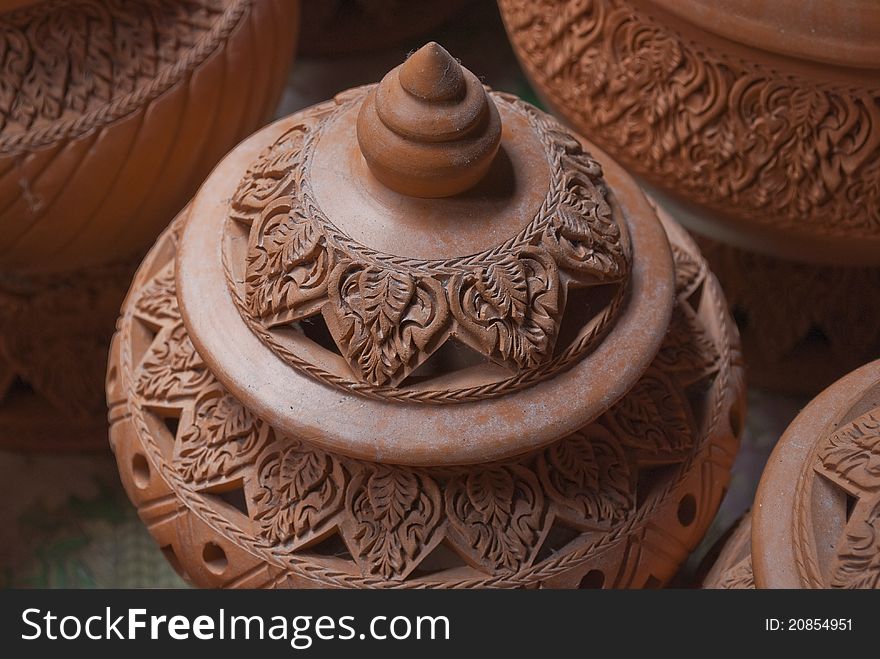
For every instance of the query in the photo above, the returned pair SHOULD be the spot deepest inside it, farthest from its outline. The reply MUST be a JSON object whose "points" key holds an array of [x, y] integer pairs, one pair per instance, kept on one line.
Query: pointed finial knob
{"points": [[429, 129]]}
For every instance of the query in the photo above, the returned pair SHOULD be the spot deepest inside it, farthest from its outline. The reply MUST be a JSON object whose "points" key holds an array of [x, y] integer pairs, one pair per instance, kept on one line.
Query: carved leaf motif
{"points": [[172, 368], [273, 175], [588, 477], [510, 310], [157, 302], [504, 291], [301, 490], [852, 454], [497, 516], [584, 236], [287, 265], [857, 564], [687, 349], [653, 418], [397, 514], [384, 322], [223, 436]]}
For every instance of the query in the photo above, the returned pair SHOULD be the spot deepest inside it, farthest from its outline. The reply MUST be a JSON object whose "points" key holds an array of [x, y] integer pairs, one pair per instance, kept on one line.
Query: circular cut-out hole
{"points": [[215, 558], [140, 470], [687, 510], [593, 579]]}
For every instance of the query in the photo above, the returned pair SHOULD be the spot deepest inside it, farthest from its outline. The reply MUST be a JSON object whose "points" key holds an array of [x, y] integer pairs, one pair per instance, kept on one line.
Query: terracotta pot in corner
{"points": [[816, 513], [111, 115], [427, 292], [758, 125]]}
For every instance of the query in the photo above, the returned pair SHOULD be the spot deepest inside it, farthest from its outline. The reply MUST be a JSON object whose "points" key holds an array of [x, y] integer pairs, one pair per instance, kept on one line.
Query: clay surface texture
{"points": [[779, 145], [353, 416], [760, 125], [111, 115], [816, 519]]}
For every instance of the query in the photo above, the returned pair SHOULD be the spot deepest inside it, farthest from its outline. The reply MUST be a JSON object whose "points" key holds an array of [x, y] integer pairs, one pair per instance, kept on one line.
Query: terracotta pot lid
{"points": [[817, 510], [424, 272]]}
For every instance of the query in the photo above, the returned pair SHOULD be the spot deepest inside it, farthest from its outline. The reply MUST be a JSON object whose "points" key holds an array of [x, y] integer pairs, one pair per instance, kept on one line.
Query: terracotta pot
{"points": [[732, 569], [475, 357], [112, 114], [816, 514], [345, 27], [802, 325], [757, 123]]}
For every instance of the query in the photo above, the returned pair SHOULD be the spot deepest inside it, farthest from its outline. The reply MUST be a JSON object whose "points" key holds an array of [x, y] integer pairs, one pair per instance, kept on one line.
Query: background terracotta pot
{"points": [[296, 351], [120, 113], [111, 115], [756, 123], [816, 513]]}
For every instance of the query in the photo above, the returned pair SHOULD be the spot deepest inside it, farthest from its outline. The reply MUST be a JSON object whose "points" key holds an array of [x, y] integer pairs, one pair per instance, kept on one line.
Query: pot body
{"points": [[97, 160], [257, 508], [769, 143], [104, 136], [757, 125]]}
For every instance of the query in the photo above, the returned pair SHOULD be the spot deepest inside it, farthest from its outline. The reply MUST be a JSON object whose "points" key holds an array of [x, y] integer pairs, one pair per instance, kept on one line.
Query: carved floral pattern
{"points": [[396, 513], [222, 437], [852, 454], [848, 457], [497, 514], [858, 558], [56, 62], [388, 314], [739, 136], [172, 368], [385, 322], [299, 493], [589, 477], [510, 308], [390, 519], [653, 418], [851, 458]]}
